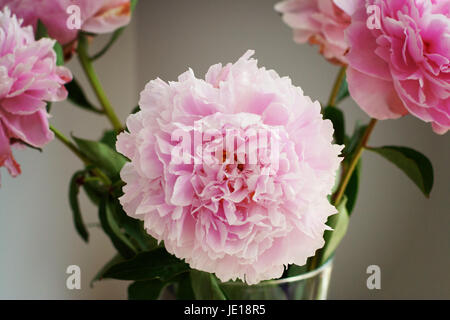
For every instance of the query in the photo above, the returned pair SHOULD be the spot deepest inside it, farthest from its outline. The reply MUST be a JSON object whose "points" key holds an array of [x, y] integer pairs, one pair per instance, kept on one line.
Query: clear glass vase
{"points": [[312, 285]]}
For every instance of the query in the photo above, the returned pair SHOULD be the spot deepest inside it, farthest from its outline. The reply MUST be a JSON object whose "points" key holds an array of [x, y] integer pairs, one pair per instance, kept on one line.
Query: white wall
{"points": [[393, 225]]}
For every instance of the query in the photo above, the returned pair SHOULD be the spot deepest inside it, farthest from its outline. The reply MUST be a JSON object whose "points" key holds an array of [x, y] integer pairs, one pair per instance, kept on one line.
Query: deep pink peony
{"points": [[403, 66], [28, 77], [317, 22], [96, 16], [238, 209]]}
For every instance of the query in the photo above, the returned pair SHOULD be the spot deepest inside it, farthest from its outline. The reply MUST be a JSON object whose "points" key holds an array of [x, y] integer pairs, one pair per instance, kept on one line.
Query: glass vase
{"points": [[312, 285]]}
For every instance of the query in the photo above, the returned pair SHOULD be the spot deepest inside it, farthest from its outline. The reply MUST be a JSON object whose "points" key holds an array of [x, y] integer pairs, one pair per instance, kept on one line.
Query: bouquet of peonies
{"points": [[235, 185]]}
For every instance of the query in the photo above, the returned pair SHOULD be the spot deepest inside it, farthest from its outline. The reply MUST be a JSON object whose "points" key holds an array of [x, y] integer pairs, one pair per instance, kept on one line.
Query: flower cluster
{"points": [[234, 217], [401, 65], [318, 22], [28, 77], [99, 16]]}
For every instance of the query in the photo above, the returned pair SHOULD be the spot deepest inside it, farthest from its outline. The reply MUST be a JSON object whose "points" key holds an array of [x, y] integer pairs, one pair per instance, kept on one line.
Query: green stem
{"points": [[69, 145], [353, 162], [337, 196], [80, 155], [88, 68], [337, 85]]}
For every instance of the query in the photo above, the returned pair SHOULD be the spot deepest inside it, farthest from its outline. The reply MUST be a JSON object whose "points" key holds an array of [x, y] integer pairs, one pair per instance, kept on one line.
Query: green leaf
{"points": [[156, 264], [136, 110], [295, 270], [205, 286], [74, 190], [41, 31], [77, 97], [184, 288], [109, 138], [337, 118], [99, 276], [339, 223], [133, 5], [94, 190], [351, 192], [145, 290], [59, 54], [111, 228], [133, 227], [416, 166], [102, 156], [343, 91], [353, 141]]}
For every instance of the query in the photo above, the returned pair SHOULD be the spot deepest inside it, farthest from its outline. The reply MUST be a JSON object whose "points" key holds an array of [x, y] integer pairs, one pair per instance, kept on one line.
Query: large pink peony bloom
{"points": [[28, 77], [218, 199], [318, 22], [404, 65], [96, 16]]}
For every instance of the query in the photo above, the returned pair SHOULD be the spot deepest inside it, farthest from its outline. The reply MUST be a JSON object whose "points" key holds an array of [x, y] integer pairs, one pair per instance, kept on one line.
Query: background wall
{"points": [[393, 225]]}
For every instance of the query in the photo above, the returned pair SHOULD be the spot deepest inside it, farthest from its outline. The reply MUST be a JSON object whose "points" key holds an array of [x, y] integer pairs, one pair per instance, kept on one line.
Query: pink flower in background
{"points": [[28, 77], [318, 22], [99, 16], [403, 67], [228, 214]]}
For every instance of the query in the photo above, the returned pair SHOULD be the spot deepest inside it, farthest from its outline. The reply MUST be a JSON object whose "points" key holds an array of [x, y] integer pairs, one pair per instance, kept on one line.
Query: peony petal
{"points": [[375, 96]]}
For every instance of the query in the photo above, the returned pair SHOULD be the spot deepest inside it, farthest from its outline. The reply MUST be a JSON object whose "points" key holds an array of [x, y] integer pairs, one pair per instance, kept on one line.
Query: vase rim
{"points": [[299, 277]]}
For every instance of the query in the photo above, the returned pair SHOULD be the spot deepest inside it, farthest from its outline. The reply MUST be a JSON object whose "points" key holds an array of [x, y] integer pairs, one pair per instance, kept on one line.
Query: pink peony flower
{"points": [[231, 172], [317, 22], [99, 16], [403, 65], [28, 77]]}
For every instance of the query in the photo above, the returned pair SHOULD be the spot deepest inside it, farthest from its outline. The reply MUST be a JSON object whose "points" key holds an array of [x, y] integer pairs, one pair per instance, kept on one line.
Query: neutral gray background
{"points": [[393, 225]]}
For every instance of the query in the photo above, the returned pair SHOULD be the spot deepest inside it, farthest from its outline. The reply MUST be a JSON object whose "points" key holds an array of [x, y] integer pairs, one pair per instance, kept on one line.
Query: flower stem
{"points": [[69, 145], [337, 85], [88, 68], [353, 162], [80, 155], [337, 196]]}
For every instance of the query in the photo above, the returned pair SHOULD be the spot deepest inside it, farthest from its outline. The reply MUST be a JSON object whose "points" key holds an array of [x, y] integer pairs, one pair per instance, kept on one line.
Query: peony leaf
{"points": [[337, 118], [103, 156], [343, 91], [205, 286], [99, 276], [351, 191], [109, 138], [155, 264], [184, 288], [59, 54], [133, 227], [352, 142], [136, 110], [77, 97], [74, 190], [339, 223], [41, 31], [145, 290], [111, 228], [416, 166], [94, 190]]}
